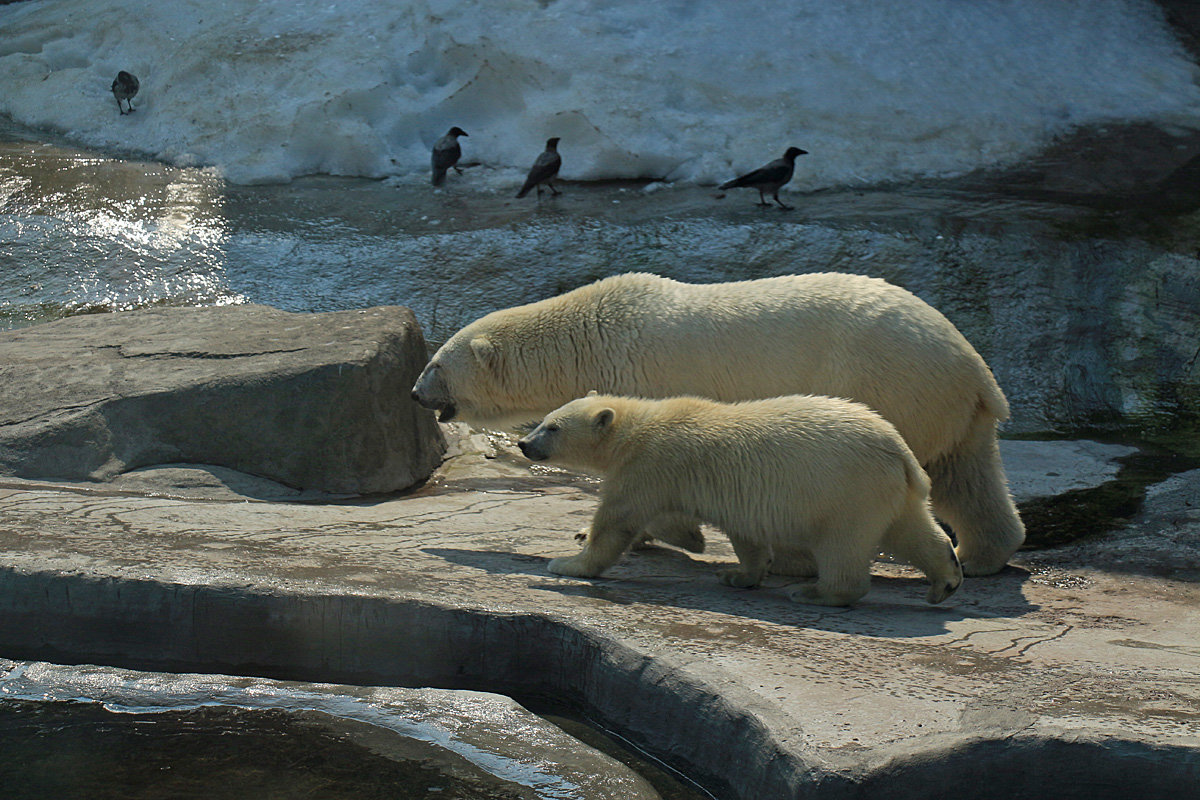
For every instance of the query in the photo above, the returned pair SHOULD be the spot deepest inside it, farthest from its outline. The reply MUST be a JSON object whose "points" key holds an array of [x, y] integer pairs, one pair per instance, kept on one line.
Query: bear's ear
{"points": [[485, 352], [592, 393], [603, 418]]}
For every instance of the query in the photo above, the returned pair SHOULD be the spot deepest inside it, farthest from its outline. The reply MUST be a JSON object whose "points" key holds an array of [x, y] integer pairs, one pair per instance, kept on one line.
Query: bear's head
{"points": [[461, 369], [496, 372], [576, 435]]}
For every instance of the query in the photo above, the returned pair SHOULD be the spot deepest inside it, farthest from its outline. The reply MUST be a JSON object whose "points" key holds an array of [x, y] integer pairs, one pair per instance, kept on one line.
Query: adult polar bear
{"points": [[832, 334]]}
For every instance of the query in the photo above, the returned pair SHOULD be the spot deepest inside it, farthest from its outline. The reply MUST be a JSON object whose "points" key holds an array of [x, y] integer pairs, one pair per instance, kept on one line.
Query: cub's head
{"points": [[575, 435]]}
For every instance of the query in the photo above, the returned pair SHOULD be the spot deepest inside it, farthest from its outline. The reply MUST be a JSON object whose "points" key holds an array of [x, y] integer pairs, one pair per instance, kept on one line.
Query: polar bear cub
{"points": [[817, 479]]}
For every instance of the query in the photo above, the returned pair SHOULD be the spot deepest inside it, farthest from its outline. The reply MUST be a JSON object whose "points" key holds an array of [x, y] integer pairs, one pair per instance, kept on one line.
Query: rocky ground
{"points": [[1072, 673]]}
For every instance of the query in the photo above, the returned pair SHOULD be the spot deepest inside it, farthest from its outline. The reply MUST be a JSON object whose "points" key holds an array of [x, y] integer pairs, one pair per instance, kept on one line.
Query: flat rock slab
{"points": [[1063, 676], [317, 402]]}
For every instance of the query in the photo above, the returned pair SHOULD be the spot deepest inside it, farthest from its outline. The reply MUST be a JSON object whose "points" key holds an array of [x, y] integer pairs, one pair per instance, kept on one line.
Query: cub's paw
{"points": [[945, 582], [572, 567], [739, 579], [940, 590]]}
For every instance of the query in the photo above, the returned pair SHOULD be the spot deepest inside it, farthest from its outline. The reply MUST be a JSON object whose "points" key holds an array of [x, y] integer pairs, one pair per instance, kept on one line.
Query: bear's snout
{"points": [[429, 390], [531, 450], [425, 397]]}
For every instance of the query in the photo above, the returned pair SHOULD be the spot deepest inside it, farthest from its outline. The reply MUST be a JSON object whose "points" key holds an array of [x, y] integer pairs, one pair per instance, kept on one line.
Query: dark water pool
{"points": [[55, 751]]}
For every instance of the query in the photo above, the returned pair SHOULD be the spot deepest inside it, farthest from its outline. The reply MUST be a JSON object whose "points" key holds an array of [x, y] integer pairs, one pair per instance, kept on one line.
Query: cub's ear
{"points": [[485, 352], [592, 393], [603, 418]]}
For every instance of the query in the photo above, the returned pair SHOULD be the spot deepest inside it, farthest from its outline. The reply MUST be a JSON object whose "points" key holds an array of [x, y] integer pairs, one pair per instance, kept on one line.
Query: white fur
{"points": [[819, 478], [830, 333]]}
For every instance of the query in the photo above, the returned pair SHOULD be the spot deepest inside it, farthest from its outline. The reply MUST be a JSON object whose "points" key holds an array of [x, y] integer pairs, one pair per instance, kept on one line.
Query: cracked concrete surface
{"points": [[1072, 669]]}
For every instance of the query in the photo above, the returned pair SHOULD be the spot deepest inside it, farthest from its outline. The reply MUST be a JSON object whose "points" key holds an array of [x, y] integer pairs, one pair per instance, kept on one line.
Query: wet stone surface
{"points": [[751, 693]]}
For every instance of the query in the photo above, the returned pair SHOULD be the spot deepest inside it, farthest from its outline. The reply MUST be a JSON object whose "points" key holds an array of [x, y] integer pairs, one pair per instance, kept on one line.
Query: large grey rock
{"points": [[313, 401]]}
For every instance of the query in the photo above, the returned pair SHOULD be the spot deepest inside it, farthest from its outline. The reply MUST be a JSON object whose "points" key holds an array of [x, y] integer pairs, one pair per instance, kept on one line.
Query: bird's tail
{"points": [[525, 190], [733, 184], [439, 176]]}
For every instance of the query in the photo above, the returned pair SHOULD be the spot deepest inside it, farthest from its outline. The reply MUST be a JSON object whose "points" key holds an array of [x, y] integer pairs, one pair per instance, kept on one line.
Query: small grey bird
{"points": [[124, 87], [544, 169], [770, 177], [446, 153]]}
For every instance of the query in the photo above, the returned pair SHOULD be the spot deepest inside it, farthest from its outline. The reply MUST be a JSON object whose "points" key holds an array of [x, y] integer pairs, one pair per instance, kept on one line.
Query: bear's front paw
{"points": [[573, 567], [940, 590], [739, 579]]}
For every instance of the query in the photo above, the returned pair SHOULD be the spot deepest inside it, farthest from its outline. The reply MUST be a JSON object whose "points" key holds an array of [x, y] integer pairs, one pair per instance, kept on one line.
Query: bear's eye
{"points": [[551, 429]]}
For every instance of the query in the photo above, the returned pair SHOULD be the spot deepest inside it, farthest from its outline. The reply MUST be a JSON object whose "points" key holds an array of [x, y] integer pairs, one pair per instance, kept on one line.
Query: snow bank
{"points": [[687, 90]]}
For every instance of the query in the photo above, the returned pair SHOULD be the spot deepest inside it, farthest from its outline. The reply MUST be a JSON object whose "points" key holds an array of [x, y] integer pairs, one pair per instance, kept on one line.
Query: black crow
{"points": [[124, 87], [446, 154], [769, 178], [543, 170]]}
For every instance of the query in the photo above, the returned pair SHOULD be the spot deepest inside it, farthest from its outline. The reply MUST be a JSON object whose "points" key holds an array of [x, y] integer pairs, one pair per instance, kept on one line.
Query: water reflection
{"points": [[79, 233]]}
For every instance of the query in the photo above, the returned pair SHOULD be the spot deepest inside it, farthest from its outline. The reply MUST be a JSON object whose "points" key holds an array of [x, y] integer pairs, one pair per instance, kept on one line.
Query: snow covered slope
{"points": [[687, 90]]}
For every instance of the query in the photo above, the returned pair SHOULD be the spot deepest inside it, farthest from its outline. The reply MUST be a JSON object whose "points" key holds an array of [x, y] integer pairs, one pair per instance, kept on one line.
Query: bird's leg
{"points": [[553, 191], [539, 188], [120, 107], [762, 200], [459, 171], [781, 205]]}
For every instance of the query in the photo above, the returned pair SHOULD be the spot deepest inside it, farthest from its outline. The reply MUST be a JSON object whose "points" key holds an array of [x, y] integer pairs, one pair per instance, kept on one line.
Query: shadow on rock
{"points": [[656, 576]]}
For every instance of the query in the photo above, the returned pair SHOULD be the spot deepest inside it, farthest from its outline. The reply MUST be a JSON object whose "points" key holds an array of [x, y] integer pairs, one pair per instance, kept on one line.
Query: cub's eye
{"points": [[551, 429]]}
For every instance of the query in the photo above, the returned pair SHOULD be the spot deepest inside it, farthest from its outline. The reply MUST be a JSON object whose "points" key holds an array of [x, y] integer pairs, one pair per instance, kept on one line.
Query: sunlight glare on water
{"points": [[81, 234]]}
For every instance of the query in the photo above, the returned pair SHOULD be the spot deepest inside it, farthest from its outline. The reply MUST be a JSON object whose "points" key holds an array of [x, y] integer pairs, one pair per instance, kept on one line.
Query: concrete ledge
{"points": [[1061, 676], [716, 733]]}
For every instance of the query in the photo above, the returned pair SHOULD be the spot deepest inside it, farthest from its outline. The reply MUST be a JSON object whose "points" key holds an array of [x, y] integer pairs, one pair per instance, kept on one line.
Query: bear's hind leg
{"points": [[970, 494], [680, 530], [794, 563], [915, 537], [843, 571], [754, 559]]}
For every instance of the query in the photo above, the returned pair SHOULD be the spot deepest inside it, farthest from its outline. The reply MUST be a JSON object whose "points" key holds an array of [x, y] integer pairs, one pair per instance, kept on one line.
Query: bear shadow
{"points": [[895, 606]]}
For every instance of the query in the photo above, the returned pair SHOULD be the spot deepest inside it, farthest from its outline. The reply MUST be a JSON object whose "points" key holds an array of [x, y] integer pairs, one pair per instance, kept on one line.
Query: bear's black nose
{"points": [[521, 443], [416, 397]]}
